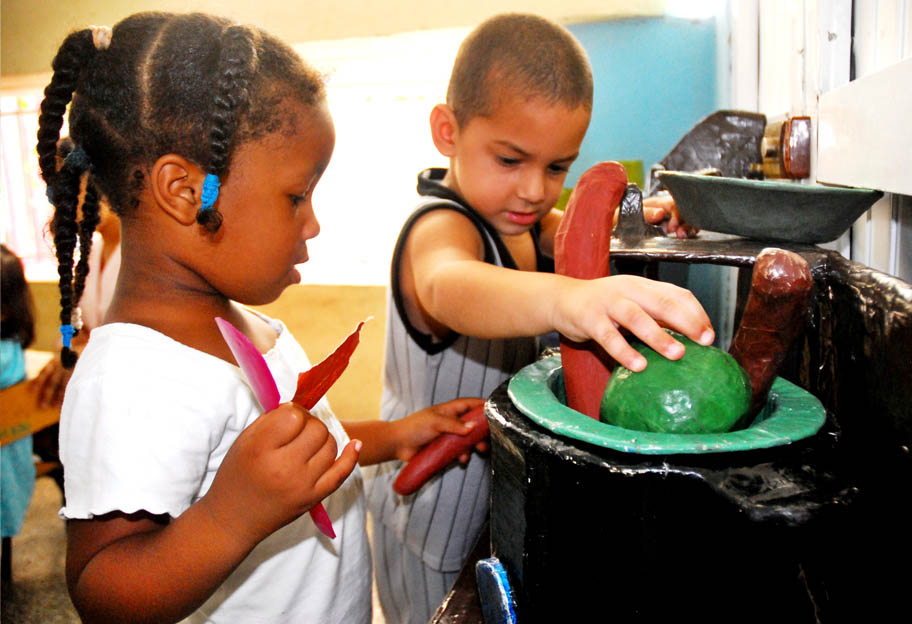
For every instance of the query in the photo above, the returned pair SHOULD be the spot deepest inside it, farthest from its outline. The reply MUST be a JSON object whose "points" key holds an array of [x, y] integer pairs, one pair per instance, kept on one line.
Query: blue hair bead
{"points": [[67, 332], [49, 192], [210, 191]]}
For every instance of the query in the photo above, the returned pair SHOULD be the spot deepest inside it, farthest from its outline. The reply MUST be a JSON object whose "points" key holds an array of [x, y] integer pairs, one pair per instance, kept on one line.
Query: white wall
{"points": [[805, 48], [32, 29]]}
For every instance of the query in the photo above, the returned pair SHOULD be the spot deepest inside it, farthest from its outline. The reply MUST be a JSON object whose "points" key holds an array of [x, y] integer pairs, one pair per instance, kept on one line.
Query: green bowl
{"points": [[767, 210], [791, 414]]}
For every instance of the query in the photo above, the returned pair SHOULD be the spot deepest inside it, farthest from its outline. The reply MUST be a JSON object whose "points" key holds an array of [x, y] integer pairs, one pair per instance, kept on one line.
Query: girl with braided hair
{"points": [[182, 500]]}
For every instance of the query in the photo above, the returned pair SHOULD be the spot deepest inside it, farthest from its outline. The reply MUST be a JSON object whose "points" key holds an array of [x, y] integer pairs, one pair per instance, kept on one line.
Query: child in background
{"points": [[468, 295], [182, 501], [17, 330]]}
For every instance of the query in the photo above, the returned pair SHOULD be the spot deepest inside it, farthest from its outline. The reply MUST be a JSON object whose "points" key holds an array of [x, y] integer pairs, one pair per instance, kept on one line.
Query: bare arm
{"points": [[139, 567], [401, 439], [457, 290]]}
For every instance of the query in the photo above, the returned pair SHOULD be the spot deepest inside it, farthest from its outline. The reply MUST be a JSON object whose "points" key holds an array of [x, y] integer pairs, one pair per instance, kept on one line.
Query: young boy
{"points": [[468, 295]]}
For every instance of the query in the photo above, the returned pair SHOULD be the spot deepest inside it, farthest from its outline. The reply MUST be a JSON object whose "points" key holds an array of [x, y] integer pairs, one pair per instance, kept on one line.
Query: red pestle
{"points": [[582, 247]]}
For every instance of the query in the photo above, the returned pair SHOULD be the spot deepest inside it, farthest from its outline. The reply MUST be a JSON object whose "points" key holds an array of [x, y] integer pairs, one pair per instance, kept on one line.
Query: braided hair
{"points": [[158, 83]]}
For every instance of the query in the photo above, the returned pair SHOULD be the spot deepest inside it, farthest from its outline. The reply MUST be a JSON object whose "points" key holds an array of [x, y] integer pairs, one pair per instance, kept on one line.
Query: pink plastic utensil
{"points": [[264, 387]]}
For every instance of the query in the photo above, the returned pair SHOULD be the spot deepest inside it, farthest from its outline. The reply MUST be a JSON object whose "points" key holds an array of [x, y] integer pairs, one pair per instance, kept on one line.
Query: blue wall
{"points": [[654, 79]]}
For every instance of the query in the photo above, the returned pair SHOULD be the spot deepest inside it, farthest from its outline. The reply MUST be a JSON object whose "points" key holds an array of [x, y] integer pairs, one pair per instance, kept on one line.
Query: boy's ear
{"points": [[176, 184], [444, 129]]}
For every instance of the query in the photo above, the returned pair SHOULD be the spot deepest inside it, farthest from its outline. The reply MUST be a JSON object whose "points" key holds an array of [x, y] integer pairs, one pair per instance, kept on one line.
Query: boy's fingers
{"points": [[458, 407], [642, 325], [676, 308], [453, 425], [338, 472], [406, 455], [614, 345], [653, 215], [626, 355], [663, 343]]}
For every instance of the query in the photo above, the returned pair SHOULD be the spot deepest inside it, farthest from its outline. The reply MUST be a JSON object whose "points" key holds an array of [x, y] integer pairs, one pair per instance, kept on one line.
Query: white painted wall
{"points": [[32, 29], [805, 48]]}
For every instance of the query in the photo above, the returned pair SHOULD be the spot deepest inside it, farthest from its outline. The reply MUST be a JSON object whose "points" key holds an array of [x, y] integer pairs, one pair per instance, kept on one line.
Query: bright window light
{"points": [[381, 91], [694, 9], [24, 209]]}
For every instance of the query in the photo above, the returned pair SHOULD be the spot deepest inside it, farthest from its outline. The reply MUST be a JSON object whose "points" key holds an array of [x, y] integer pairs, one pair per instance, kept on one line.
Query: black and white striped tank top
{"points": [[441, 522]]}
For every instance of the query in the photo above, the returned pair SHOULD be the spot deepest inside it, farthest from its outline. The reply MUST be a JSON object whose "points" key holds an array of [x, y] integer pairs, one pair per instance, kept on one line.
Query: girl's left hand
{"points": [[418, 429]]}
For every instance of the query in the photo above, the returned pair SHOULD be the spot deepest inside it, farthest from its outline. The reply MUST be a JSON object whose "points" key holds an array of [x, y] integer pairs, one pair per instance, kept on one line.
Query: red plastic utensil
{"points": [[264, 387], [313, 383]]}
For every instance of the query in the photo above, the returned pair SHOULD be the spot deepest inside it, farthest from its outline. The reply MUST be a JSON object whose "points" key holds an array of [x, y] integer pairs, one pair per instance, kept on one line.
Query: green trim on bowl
{"points": [[791, 414]]}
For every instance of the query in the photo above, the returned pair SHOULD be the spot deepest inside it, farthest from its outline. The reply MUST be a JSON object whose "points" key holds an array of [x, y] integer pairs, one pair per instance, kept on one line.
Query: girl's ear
{"points": [[444, 129], [176, 185]]}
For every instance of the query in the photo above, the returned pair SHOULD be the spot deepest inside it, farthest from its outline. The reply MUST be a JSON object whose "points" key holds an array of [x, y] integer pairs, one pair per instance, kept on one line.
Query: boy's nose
{"points": [[532, 187]]}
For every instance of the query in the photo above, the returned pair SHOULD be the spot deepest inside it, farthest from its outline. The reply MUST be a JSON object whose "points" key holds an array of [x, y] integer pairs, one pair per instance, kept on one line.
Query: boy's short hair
{"points": [[519, 53]]}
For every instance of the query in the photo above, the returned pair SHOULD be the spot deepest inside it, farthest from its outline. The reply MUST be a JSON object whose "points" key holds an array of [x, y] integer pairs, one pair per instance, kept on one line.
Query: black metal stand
{"points": [[854, 356]]}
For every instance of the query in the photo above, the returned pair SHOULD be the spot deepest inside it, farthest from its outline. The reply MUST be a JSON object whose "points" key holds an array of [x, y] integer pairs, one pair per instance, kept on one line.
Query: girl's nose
{"points": [[532, 187]]}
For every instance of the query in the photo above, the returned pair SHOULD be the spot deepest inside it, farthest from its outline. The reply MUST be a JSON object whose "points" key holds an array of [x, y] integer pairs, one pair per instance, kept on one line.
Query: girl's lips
{"points": [[522, 218]]}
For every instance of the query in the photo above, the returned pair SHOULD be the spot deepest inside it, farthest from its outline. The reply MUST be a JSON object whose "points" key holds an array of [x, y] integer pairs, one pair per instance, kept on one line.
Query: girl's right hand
{"points": [[278, 468], [597, 309]]}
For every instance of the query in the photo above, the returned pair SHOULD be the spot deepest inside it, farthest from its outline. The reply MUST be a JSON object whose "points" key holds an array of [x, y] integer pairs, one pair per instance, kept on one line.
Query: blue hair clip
{"points": [[210, 191], [49, 192], [67, 332]]}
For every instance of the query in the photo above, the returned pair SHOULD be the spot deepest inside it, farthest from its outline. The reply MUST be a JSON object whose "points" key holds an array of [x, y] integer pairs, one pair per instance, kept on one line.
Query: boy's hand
{"points": [[418, 429], [277, 469], [597, 309], [661, 209]]}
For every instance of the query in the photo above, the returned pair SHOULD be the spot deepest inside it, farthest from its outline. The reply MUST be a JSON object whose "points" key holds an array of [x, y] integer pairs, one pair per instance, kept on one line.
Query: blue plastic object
{"points": [[495, 593]]}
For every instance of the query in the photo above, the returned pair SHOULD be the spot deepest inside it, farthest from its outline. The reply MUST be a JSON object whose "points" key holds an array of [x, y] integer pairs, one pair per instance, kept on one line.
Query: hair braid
{"points": [[91, 216], [64, 227], [237, 59], [74, 54]]}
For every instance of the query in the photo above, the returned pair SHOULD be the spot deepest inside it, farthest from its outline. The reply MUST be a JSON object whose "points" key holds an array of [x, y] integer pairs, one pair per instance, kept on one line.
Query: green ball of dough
{"points": [[706, 391]]}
